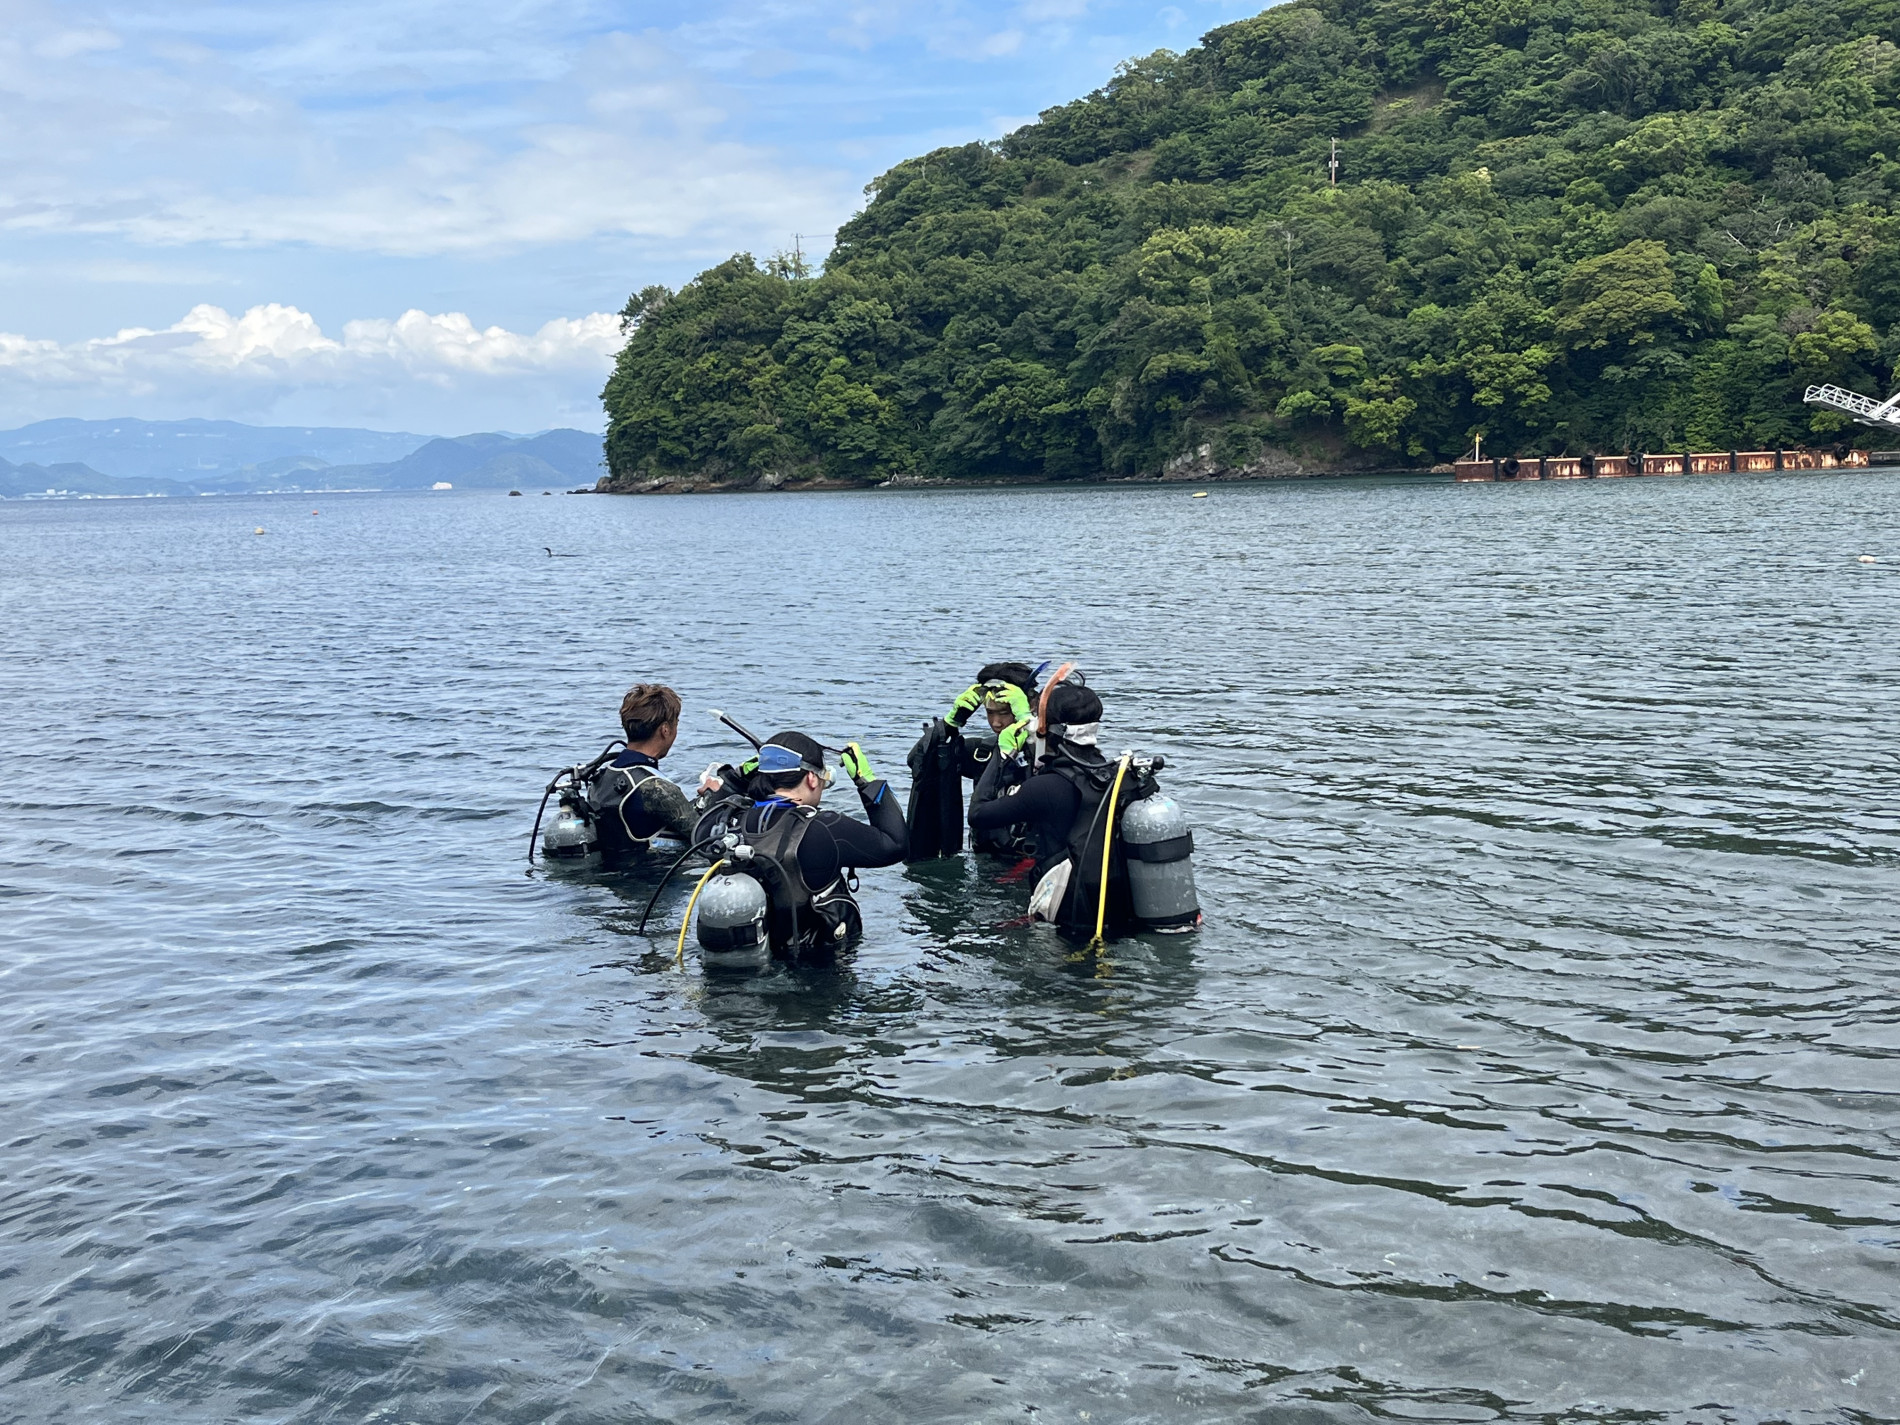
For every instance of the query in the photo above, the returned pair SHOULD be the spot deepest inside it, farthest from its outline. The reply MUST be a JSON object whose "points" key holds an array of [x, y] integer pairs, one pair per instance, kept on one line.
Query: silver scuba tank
{"points": [[732, 934], [1160, 858], [571, 836]]}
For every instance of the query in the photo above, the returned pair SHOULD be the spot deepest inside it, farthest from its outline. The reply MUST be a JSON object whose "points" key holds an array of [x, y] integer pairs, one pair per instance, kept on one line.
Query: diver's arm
{"points": [[667, 804], [993, 771], [882, 843], [887, 819], [1043, 798]]}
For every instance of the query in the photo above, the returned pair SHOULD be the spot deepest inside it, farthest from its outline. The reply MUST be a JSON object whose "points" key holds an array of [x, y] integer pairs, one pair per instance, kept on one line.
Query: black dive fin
{"points": [[924, 817]]}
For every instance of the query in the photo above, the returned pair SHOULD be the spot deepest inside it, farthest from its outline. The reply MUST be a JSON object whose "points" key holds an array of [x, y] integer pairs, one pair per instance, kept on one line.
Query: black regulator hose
{"points": [[655, 898], [579, 774], [617, 745], [534, 837]]}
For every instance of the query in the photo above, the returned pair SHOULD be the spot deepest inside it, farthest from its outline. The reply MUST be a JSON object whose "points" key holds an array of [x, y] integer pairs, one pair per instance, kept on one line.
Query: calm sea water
{"points": [[1540, 1059]]}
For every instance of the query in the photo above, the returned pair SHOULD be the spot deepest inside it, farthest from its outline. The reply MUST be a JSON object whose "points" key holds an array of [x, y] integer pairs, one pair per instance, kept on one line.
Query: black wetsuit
{"points": [[996, 774], [1046, 803], [835, 842]]}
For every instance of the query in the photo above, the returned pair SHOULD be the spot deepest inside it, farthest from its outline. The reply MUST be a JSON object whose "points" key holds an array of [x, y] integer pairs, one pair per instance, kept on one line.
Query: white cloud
{"points": [[64, 44], [520, 158], [276, 361], [327, 142]]}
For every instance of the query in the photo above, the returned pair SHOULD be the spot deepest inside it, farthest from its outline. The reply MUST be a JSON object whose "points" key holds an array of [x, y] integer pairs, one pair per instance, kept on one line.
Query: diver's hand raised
{"points": [[968, 701], [857, 766], [1015, 737]]}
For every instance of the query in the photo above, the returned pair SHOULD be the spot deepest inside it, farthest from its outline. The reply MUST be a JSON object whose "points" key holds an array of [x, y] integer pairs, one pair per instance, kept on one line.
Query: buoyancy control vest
{"points": [[996, 774], [1093, 779], [933, 820], [612, 793], [802, 922]]}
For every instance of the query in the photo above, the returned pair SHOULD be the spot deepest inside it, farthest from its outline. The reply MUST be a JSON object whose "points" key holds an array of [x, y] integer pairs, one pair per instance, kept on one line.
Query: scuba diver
{"points": [[614, 807], [790, 866], [943, 758], [632, 803], [1112, 851]]}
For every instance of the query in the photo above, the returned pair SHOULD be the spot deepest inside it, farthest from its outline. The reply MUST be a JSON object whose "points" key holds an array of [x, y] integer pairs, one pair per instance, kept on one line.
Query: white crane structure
{"points": [[1865, 409]]}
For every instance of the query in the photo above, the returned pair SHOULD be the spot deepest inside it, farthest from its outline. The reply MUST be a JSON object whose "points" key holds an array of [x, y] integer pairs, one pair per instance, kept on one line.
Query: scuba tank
{"points": [[783, 916], [571, 836], [732, 933], [1160, 852], [591, 816], [1136, 857]]}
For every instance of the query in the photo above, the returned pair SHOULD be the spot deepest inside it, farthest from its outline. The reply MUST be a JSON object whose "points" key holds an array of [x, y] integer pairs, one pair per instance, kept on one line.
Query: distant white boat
{"points": [[442, 485]]}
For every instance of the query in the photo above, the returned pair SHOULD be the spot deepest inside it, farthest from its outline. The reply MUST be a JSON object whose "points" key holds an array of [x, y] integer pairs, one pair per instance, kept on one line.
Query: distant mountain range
{"points": [[129, 457]]}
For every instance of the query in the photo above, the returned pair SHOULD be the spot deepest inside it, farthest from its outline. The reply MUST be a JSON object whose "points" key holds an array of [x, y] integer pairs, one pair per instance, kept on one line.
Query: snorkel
{"points": [[759, 742], [1067, 673]]}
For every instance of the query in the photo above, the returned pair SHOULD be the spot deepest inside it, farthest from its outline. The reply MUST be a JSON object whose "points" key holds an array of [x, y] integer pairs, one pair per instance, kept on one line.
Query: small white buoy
{"points": [[1868, 559], [1200, 494], [258, 530]]}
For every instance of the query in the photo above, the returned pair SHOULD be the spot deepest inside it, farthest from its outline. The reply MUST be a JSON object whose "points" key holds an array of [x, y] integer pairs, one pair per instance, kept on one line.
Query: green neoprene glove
{"points": [[856, 765], [968, 701], [1012, 738], [1017, 700]]}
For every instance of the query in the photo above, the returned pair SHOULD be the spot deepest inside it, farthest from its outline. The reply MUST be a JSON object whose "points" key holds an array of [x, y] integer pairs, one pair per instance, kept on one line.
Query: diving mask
{"points": [[996, 693], [774, 759]]}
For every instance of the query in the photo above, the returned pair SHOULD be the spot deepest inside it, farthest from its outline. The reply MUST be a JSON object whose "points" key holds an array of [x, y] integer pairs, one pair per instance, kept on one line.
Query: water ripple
{"points": [[1540, 1059]]}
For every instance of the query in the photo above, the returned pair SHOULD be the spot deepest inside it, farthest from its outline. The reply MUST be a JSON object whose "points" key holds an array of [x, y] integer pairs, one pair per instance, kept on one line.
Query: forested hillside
{"points": [[1570, 225]]}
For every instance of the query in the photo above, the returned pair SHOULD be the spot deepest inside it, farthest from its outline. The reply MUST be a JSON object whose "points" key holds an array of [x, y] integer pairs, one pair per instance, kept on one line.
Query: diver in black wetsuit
{"points": [[1046, 802], [944, 757], [1060, 805], [632, 803], [811, 852]]}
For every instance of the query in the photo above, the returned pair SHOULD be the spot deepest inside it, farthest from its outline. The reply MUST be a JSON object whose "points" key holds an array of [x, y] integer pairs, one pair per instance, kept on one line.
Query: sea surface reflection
{"points": [[1540, 1059]]}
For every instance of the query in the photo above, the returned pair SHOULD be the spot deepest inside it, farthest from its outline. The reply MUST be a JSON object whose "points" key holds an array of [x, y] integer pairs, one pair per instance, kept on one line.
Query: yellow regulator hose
{"points": [[679, 954], [1108, 843]]}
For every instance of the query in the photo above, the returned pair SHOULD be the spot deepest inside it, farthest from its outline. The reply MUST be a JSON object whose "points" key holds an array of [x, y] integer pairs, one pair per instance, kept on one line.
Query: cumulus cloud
{"points": [[275, 362], [527, 158]]}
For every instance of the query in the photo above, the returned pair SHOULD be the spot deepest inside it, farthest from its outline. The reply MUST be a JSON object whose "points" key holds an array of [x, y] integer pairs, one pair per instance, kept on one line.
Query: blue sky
{"points": [[226, 207]]}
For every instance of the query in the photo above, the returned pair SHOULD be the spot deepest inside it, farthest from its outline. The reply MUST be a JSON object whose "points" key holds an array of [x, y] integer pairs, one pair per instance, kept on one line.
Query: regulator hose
{"points": [[534, 837], [1108, 843], [679, 952], [617, 745], [579, 775], [654, 899]]}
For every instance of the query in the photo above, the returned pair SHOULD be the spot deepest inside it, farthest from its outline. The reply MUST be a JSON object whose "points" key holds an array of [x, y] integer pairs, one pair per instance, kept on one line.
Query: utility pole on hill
{"points": [[1332, 165], [799, 269]]}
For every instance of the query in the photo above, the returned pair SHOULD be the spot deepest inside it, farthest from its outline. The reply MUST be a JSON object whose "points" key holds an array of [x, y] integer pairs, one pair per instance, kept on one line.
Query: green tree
{"points": [[1571, 224]]}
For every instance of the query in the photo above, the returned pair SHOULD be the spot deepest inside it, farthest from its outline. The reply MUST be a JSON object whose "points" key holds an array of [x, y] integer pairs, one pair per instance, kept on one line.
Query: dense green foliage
{"points": [[1568, 224]]}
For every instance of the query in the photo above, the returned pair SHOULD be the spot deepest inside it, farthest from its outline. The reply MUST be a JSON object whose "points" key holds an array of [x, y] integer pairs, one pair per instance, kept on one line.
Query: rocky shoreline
{"points": [[1193, 467]]}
